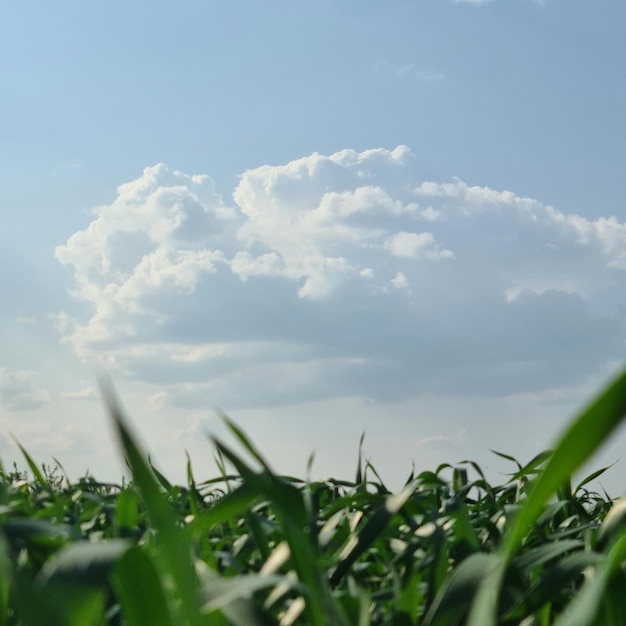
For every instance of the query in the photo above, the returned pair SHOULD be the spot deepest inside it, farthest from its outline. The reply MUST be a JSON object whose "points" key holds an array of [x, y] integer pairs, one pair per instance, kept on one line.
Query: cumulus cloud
{"points": [[342, 275], [416, 246], [399, 281], [153, 241], [17, 392]]}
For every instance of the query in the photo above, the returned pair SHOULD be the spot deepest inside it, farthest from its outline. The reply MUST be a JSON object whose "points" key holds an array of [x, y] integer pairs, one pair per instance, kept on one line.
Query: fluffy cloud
{"points": [[153, 241], [17, 392], [416, 246], [342, 275]]}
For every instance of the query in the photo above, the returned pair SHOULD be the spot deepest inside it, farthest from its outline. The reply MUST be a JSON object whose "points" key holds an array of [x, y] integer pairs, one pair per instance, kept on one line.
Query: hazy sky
{"points": [[401, 217]]}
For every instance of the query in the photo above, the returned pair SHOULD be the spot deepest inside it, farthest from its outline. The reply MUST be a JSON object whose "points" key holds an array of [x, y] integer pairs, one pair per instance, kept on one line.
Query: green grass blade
{"points": [[245, 442], [552, 581], [39, 477], [612, 525], [532, 468], [371, 531], [6, 580], [38, 532], [360, 475], [83, 563], [538, 556], [62, 604], [291, 511], [458, 591], [191, 486], [139, 590], [583, 610], [167, 486], [485, 604], [60, 466], [508, 458], [285, 496], [221, 592], [174, 548], [592, 476], [583, 437], [580, 440], [126, 512], [225, 509]]}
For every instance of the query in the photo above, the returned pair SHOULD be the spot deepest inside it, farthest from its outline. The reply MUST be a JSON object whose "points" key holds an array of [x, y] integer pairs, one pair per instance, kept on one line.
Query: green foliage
{"points": [[252, 547]]}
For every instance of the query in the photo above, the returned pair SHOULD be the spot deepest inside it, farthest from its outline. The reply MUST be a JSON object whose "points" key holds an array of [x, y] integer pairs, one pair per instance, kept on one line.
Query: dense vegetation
{"points": [[251, 547]]}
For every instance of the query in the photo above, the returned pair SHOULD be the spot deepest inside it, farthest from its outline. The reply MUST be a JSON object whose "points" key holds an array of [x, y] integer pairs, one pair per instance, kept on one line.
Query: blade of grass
{"points": [[191, 485], [291, 511], [581, 439], [583, 610], [551, 583], [458, 591], [167, 486], [245, 442], [221, 592], [139, 590], [360, 476], [6, 580], [226, 508], [40, 478], [60, 466], [592, 476], [83, 563], [126, 512], [612, 524], [371, 531], [174, 548]]}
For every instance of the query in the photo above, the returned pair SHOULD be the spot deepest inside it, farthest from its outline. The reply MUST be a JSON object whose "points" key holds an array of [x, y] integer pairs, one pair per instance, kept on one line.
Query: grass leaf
{"points": [[174, 548]]}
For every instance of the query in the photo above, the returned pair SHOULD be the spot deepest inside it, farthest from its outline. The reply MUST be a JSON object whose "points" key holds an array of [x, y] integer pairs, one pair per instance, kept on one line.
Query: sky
{"points": [[404, 218]]}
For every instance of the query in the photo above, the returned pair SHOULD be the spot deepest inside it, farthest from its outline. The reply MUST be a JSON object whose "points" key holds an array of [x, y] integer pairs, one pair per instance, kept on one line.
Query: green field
{"points": [[251, 547]]}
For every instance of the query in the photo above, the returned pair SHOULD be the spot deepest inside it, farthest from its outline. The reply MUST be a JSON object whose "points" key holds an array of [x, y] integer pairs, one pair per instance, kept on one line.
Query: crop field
{"points": [[252, 547]]}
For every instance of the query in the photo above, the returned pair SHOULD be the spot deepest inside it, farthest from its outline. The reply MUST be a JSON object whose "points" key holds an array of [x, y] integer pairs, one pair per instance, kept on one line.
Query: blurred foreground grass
{"points": [[251, 547]]}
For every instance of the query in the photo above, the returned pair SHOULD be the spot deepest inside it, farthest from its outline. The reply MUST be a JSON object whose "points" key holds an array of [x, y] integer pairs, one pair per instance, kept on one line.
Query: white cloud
{"points": [[17, 393], [301, 288], [153, 241], [416, 246], [399, 281]]}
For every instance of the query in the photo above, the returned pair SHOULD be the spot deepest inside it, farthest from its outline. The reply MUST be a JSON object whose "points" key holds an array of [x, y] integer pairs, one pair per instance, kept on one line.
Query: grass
{"points": [[251, 547]]}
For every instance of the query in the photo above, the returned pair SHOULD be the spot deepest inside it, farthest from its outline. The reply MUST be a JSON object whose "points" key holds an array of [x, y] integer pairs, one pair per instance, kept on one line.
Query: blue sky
{"points": [[403, 217]]}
